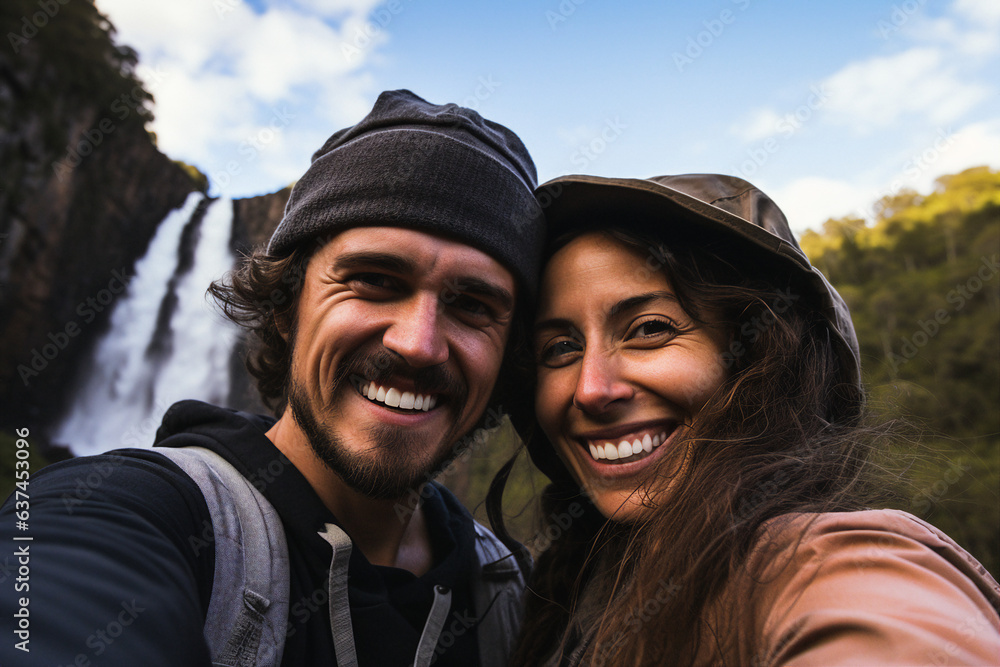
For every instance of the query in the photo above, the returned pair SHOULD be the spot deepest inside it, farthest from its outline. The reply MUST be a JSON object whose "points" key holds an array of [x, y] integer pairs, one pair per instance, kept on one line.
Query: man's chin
{"points": [[394, 461]]}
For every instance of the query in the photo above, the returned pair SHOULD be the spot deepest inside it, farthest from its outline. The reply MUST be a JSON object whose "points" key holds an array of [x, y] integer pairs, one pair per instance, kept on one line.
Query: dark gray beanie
{"points": [[442, 169]]}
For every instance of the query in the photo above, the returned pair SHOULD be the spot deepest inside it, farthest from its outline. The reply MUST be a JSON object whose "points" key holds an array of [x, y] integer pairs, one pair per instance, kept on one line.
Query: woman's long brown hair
{"points": [[784, 434]]}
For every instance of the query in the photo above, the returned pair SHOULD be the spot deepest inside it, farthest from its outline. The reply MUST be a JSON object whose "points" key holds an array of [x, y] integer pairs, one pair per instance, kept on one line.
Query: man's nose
{"points": [[416, 332]]}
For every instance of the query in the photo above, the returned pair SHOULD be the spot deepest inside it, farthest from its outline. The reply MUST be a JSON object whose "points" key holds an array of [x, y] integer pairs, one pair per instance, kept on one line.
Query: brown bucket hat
{"points": [[727, 212]]}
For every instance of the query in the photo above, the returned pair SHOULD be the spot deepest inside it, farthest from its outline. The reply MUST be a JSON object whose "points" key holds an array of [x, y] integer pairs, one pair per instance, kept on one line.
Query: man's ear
{"points": [[283, 323]]}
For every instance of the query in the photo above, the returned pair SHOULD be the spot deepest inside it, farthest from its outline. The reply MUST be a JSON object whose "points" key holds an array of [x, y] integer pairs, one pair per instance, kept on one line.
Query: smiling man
{"points": [[388, 314]]}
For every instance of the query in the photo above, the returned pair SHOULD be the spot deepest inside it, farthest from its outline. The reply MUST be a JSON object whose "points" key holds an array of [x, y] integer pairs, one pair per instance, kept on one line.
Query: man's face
{"points": [[396, 346]]}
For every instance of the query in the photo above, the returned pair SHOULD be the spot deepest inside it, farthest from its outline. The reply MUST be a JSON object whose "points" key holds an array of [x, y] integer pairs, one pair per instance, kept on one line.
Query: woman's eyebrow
{"points": [[623, 306], [633, 302], [552, 323]]}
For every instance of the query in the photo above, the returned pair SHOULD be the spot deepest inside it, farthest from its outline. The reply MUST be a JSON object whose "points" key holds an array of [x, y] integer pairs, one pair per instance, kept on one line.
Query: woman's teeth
{"points": [[394, 398], [627, 448]]}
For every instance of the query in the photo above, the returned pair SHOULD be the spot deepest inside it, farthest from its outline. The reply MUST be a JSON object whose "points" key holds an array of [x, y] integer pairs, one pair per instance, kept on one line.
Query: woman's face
{"points": [[623, 370]]}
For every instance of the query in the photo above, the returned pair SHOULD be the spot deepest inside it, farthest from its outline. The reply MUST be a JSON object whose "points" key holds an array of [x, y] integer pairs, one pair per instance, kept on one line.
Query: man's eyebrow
{"points": [[370, 259], [482, 288]]}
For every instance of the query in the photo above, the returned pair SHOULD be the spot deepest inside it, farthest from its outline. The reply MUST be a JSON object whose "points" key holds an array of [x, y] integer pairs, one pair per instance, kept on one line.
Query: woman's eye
{"points": [[560, 351], [653, 328]]}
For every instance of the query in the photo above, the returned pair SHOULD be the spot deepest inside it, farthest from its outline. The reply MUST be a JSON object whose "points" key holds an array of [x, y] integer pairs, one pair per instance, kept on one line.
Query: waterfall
{"points": [[166, 342]]}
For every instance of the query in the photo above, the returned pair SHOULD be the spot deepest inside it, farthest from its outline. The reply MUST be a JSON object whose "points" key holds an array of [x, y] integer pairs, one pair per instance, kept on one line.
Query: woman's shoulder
{"points": [[868, 536], [877, 583]]}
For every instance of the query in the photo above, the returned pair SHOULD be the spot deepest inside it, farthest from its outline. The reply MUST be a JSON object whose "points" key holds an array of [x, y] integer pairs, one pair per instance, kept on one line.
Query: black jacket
{"points": [[121, 559]]}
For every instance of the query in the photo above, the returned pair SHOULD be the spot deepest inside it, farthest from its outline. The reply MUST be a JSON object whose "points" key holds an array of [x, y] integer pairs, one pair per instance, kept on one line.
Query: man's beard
{"points": [[392, 467]]}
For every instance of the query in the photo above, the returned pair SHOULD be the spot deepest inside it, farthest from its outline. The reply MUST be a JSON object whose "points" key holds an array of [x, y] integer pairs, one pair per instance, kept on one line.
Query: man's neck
{"points": [[383, 533]]}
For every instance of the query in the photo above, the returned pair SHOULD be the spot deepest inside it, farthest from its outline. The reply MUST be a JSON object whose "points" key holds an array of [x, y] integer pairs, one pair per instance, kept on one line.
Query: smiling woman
{"points": [[605, 344], [699, 384]]}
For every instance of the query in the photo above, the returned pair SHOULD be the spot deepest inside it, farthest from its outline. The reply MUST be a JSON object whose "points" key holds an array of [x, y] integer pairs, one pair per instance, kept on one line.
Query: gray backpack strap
{"points": [[498, 593], [340, 607], [428, 645], [248, 613]]}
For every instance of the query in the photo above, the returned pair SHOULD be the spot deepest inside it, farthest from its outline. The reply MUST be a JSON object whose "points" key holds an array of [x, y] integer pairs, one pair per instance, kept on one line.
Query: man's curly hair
{"points": [[259, 293]]}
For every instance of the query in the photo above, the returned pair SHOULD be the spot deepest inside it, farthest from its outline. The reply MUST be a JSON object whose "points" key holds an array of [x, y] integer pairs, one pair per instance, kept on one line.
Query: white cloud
{"points": [[761, 125], [809, 202], [578, 135], [339, 7], [933, 81], [877, 92], [982, 12], [975, 145], [224, 73]]}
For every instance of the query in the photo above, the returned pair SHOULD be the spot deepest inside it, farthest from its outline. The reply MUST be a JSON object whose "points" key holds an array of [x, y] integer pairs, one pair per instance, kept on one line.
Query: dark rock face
{"points": [[71, 254], [254, 220], [82, 190]]}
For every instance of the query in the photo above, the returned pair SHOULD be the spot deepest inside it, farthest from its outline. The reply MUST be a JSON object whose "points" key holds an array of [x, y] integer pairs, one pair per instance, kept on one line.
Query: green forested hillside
{"points": [[923, 285]]}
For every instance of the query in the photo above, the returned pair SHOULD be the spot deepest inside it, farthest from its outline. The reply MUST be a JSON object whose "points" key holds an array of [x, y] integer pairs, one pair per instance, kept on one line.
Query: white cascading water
{"points": [[127, 389]]}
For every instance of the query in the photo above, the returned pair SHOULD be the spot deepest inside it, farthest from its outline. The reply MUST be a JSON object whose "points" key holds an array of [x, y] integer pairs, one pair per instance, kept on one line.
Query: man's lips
{"points": [[631, 445], [394, 397]]}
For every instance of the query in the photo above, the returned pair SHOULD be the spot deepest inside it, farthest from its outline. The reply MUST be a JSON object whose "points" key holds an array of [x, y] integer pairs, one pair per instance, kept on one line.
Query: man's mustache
{"points": [[381, 366]]}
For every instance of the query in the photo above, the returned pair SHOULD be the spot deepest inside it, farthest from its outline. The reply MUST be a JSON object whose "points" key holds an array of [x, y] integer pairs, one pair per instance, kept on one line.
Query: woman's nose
{"points": [[600, 384]]}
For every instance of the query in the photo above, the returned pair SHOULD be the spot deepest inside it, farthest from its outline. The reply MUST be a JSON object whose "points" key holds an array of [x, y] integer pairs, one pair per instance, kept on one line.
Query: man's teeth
{"points": [[394, 398], [627, 448]]}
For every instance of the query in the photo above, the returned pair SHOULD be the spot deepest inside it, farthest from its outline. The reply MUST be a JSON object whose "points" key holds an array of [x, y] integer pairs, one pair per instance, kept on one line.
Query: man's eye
{"points": [[376, 280], [560, 352], [471, 306]]}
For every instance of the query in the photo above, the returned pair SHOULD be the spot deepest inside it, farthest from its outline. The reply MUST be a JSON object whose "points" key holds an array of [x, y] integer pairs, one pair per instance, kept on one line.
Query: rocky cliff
{"points": [[254, 219], [82, 191]]}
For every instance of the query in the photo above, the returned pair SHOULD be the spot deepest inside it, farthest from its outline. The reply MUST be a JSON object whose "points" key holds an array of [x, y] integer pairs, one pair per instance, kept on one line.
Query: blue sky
{"points": [[826, 106]]}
